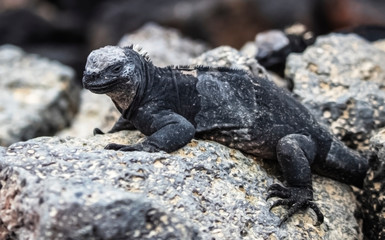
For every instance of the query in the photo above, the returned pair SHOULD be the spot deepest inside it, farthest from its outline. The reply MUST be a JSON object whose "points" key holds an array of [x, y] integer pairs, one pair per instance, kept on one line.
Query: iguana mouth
{"points": [[100, 88]]}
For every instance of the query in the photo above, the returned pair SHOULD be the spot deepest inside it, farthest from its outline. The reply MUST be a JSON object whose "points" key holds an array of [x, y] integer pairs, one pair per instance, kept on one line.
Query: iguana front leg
{"points": [[295, 154], [120, 125], [170, 131]]}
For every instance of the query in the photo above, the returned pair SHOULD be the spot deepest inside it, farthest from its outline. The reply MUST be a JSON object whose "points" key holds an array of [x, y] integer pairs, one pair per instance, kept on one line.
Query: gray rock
{"points": [[95, 111], [165, 46], [249, 49], [39, 96], [55, 188], [226, 56], [341, 80], [378, 144], [373, 196], [37, 206]]}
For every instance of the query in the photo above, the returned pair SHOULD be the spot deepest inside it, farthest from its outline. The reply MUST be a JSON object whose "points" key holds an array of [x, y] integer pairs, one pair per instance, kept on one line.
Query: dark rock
{"points": [[370, 33], [39, 96], [274, 46], [373, 194], [57, 38], [341, 80], [338, 14], [217, 22], [61, 188]]}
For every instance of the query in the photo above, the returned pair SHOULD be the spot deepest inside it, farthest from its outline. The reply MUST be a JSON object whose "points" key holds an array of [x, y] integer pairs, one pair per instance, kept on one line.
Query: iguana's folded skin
{"points": [[174, 104]]}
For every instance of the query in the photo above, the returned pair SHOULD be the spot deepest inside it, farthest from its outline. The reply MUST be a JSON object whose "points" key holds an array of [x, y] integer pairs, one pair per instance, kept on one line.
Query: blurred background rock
{"points": [[66, 30]]}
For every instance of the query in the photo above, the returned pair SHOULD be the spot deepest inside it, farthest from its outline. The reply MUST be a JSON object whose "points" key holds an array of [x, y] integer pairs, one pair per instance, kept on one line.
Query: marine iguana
{"points": [[174, 104]]}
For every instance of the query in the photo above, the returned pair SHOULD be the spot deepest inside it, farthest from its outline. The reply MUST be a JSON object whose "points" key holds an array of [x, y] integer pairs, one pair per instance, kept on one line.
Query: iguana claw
{"points": [[133, 147], [296, 199], [97, 131]]}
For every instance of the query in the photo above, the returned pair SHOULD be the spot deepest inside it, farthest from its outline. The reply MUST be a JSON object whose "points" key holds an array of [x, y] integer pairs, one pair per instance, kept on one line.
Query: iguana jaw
{"points": [[97, 86]]}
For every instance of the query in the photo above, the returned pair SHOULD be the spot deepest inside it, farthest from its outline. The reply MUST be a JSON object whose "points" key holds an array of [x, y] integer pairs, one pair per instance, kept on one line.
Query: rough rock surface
{"points": [[165, 46], [373, 196], [62, 208], [226, 56], [38, 96], [55, 188], [341, 79]]}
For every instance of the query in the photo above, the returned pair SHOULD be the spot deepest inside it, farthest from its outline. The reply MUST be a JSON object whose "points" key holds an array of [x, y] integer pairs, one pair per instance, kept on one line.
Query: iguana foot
{"points": [[296, 199], [97, 131]]}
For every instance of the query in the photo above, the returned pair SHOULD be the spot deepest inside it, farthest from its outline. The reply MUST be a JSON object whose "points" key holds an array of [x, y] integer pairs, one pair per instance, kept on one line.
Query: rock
{"points": [[226, 56], [380, 44], [39, 96], [57, 208], [249, 49], [373, 195], [341, 80], [217, 22], [95, 111], [165, 46], [274, 46], [62, 188], [46, 32], [229, 57]]}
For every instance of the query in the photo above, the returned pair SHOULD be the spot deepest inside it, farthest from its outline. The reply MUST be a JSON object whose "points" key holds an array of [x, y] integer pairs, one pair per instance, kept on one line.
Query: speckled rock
{"points": [[165, 46], [39, 206], [202, 191], [38, 96], [226, 56], [373, 196], [341, 79]]}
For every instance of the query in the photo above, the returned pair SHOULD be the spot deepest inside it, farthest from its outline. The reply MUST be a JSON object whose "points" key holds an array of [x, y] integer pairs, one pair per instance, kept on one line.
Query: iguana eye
{"points": [[117, 69]]}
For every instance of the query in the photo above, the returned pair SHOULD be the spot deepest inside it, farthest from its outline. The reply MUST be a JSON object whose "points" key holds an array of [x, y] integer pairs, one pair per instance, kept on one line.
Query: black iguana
{"points": [[172, 105]]}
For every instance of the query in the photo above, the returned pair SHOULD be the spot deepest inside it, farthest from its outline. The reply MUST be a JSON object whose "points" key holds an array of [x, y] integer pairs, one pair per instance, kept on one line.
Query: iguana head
{"points": [[116, 72], [111, 68]]}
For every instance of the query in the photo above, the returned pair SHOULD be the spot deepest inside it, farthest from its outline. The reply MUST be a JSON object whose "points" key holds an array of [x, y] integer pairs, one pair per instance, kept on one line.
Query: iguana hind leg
{"points": [[295, 154]]}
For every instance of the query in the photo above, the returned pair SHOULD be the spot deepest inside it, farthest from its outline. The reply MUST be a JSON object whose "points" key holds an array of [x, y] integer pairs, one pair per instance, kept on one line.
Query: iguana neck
{"points": [[130, 98]]}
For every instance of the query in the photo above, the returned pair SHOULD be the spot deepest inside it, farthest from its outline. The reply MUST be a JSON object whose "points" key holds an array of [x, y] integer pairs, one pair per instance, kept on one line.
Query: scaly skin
{"points": [[172, 105]]}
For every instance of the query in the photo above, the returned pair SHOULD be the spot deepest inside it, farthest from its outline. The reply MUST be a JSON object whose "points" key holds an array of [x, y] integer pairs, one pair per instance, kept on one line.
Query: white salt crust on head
{"points": [[103, 57]]}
